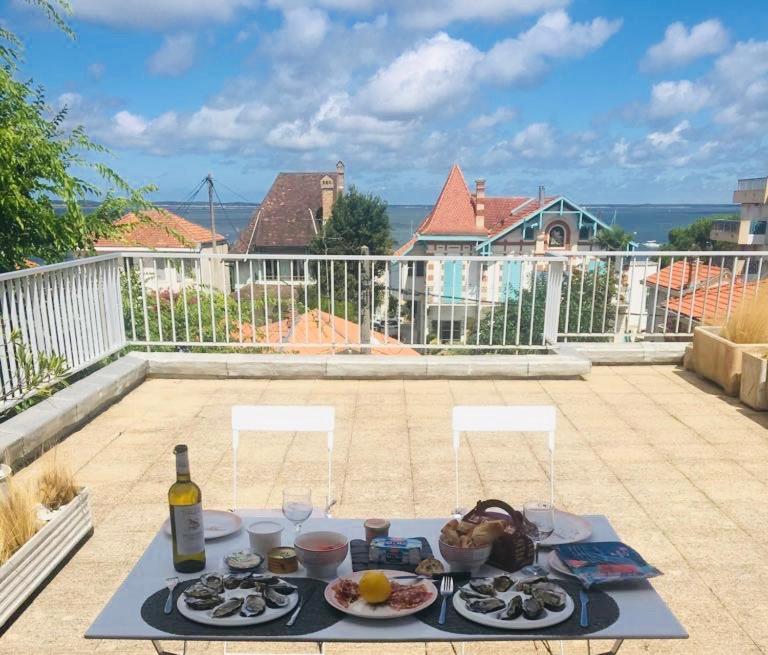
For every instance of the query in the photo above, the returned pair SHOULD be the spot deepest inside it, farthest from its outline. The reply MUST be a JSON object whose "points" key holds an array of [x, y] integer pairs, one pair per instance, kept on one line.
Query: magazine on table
{"points": [[604, 561]]}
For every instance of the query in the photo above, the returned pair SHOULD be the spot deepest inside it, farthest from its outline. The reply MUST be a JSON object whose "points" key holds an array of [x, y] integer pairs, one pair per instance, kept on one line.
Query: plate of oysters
{"points": [[237, 599], [501, 602]]}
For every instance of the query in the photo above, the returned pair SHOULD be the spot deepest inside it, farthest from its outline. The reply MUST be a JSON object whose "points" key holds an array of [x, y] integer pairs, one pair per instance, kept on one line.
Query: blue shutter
{"points": [[511, 279], [452, 281]]}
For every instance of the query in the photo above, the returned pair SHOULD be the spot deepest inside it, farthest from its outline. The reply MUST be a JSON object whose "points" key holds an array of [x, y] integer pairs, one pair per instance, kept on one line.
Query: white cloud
{"points": [[663, 140], [537, 141], [487, 121], [175, 56], [303, 30], [157, 14], [681, 46], [69, 100], [745, 63], [554, 36], [431, 14], [96, 70], [681, 97], [425, 77]]}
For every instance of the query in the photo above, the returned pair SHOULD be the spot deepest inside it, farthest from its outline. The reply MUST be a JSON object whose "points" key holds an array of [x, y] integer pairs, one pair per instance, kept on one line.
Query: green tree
{"points": [[613, 238], [357, 220], [42, 163], [696, 235]]}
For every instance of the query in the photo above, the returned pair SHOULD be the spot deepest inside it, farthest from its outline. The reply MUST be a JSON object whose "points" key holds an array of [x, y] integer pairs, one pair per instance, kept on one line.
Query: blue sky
{"points": [[601, 101]]}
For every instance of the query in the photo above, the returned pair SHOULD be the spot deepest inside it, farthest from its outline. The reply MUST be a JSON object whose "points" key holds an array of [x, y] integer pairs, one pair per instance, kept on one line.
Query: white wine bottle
{"points": [[186, 504]]}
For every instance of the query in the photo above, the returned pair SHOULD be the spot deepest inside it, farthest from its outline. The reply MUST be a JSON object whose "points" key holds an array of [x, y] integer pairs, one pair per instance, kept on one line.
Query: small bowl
{"points": [[321, 552], [464, 559]]}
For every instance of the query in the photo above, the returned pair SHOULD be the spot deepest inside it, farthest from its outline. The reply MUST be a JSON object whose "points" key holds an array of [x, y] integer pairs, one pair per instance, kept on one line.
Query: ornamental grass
{"points": [[748, 322], [56, 485], [18, 518]]}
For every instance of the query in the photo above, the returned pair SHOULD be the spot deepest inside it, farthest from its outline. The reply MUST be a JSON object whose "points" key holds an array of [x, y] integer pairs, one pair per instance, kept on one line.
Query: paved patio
{"points": [[681, 471]]}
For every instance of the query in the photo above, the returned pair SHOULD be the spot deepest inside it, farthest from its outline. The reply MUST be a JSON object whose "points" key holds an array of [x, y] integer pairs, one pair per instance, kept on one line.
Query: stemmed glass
{"points": [[297, 506], [541, 519]]}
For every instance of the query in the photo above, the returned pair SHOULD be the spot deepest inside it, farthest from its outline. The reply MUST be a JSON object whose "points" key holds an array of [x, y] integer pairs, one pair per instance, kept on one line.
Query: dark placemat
{"points": [[316, 615], [359, 551], [603, 611]]}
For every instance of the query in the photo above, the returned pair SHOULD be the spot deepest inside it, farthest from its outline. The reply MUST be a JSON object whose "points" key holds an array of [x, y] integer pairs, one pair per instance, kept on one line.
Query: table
{"points": [[643, 613]]}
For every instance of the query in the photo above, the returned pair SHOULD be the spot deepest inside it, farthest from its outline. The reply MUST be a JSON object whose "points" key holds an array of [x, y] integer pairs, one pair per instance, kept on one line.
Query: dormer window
{"points": [[529, 233]]}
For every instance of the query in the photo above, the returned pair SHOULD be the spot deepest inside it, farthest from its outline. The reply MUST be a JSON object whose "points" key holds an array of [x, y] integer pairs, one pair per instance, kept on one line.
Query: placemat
{"points": [[358, 549], [603, 611], [316, 615]]}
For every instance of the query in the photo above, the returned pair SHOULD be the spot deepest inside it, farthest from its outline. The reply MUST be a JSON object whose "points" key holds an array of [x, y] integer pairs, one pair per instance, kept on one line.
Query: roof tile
{"points": [[158, 229]]}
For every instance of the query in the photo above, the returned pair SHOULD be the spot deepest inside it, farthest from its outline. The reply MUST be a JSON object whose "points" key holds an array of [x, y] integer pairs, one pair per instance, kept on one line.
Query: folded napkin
{"points": [[604, 561], [359, 551]]}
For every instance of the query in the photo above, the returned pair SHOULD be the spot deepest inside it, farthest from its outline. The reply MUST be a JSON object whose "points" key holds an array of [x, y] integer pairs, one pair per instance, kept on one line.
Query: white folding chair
{"points": [[505, 418], [283, 418]]}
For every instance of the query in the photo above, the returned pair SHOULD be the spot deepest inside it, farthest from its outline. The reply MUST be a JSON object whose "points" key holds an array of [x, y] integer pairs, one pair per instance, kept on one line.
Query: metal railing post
{"points": [[553, 298], [365, 309]]}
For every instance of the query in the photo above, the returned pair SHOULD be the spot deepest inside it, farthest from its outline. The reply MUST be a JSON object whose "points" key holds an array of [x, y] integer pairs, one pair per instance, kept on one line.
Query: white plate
{"points": [[216, 523], [569, 528], [204, 616], [363, 610], [520, 623], [556, 564]]}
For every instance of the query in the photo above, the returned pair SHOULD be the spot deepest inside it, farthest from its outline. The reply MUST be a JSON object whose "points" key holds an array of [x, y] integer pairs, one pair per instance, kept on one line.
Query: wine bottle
{"points": [[186, 505]]}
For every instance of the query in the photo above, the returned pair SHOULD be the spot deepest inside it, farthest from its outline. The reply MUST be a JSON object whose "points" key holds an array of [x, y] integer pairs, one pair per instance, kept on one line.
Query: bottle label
{"points": [[182, 463], [190, 534]]}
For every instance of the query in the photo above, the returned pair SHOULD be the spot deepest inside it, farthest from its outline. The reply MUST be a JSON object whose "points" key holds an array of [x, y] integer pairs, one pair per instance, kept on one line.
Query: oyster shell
{"points": [[513, 609], [502, 583], [551, 599], [203, 603], [214, 581], [235, 580], [526, 584], [467, 593], [199, 590], [253, 605], [275, 599], [227, 608], [486, 605], [483, 586], [243, 560], [282, 587], [532, 609]]}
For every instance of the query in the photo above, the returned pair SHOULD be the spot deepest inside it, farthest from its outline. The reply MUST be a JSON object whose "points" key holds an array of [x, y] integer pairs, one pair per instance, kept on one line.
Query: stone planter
{"points": [[718, 359], [5, 475], [29, 568], [754, 379]]}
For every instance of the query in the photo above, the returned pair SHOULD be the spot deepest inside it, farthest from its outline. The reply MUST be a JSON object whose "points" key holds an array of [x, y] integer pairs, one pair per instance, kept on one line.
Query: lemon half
{"points": [[374, 587]]}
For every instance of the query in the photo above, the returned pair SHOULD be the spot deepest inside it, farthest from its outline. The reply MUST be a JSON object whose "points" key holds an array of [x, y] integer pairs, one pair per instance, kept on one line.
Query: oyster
{"points": [[513, 609], [199, 590], [502, 583], [214, 581], [264, 578], [282, 587], [203, 603], [551, 599], [253, 605], [483, 586], [526, 584], [227, 608], [234, 580], [467, 593], [275, 599], [532, 609], [243, 560], [486, 605]]}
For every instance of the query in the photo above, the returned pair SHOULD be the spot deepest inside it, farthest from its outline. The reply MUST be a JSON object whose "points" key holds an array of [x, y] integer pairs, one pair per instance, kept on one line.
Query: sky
{"points": [[603, 101]]}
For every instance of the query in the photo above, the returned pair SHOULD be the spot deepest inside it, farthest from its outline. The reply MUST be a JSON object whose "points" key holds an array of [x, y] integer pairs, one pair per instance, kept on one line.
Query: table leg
{"points": [[161, 651], [615, 648]]}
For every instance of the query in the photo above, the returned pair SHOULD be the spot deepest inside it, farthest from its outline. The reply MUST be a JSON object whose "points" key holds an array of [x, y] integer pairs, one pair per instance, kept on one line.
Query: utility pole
{"points": [[211, 212]]}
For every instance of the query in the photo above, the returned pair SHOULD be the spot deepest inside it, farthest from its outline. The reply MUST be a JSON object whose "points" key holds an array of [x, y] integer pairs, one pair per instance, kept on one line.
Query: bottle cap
{"points": [[180, 448]]}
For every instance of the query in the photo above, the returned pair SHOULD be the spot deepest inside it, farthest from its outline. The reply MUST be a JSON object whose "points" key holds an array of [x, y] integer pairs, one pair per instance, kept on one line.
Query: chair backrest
{"points": [[505, 418], [282, 418]]}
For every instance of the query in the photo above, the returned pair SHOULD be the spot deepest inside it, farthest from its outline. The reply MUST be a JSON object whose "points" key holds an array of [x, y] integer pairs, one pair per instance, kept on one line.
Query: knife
{"points": [[295, 614], [584, 600]]}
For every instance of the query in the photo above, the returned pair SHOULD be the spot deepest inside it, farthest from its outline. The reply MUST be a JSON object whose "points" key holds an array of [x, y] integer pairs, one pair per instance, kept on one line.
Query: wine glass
{"points": [[297, 506], [541, 519]]}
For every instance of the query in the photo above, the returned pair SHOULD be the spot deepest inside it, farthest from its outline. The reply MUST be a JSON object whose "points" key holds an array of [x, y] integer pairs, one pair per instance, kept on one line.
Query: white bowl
{"points": [[464, 559], [321, 552]]}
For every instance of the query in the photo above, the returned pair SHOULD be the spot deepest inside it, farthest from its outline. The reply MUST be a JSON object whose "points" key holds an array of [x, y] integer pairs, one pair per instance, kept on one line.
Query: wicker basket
{"points": [[513, 550]]}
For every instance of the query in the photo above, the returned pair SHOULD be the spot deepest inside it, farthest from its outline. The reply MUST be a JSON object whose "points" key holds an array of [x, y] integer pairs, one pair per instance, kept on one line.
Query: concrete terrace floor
{"points": [[681, 471]]}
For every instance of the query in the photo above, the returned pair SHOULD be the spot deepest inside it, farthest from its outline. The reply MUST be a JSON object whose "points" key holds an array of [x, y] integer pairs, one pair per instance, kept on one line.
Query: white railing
{"points": [[87, 309], [752, 184], [70, 311]]}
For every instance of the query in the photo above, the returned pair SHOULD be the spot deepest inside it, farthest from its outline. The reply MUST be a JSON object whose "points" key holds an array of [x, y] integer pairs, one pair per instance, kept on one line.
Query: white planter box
{"points": [[31, 565], [754, 380]]}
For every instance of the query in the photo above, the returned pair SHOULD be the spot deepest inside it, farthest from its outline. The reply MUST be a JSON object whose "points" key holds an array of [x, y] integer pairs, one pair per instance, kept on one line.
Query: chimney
{"points": [[541, 195], [339, 178], [326, 190], [480, 204]]}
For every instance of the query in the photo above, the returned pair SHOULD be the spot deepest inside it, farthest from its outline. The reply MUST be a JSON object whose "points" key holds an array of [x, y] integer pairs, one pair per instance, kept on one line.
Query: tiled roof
{"points": [[288, 215], [684, 273], [157, 229], [329, 330], [713, 302], [454, 211], [405, 248]]}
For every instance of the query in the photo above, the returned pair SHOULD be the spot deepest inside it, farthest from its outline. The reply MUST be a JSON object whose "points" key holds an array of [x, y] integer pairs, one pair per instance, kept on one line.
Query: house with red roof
{"points": [[470, 223], [160, 231]]}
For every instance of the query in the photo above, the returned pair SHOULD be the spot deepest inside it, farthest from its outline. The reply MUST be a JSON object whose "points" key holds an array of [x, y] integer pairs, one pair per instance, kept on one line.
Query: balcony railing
{"points": [[731, 226], [87, 309], [752, 184]]}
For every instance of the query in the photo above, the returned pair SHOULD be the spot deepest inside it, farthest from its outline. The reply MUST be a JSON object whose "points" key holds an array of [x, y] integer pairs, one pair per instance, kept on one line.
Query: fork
{"points": [[171, 584], [446, 590]]}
